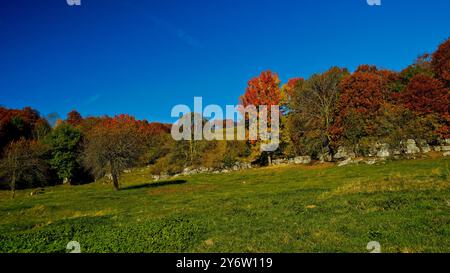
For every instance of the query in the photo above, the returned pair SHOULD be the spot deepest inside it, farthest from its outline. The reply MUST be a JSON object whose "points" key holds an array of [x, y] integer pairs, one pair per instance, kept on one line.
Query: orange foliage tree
{"points": [[262, 90]]}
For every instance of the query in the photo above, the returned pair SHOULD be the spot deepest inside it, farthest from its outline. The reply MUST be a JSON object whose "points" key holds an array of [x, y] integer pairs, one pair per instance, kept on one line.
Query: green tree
{"points": [[65, 147]]}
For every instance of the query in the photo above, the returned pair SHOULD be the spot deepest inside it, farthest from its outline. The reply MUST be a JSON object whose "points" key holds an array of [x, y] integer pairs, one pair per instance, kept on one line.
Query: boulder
{"points": [[375, 160], [371, 161], [302, 159], [411, 147], [163, 176], [203, 170], [343, 152], [189, 171], [325, 158], [383, 151], [345, 162], [280, 161], [446, 154], [424, 147], [349, 161]]}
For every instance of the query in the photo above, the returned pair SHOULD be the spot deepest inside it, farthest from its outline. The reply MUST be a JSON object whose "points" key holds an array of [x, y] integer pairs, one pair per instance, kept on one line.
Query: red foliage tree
{"points": [[441, 61], [74, 118], [262, 90], [366, 68], [291, 84], [362, 92], [426, 95], [15, 124]]}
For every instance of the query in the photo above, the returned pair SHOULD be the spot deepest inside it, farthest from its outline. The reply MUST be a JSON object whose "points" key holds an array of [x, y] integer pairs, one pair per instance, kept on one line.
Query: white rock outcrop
{"points": [[343, 152], [411, 147]]}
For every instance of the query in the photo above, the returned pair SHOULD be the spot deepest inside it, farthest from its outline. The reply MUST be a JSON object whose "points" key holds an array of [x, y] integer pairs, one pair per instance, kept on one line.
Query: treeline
{"points": [[361, 109], [76, 150], [319, 114]]}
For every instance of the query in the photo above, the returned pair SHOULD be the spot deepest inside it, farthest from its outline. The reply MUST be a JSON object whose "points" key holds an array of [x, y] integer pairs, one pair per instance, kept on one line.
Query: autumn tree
{"points": [[363, 95], [422, 65], [15, 124], [112, 146], [428, 97], [74, 118], [41, 129], [22, 163], [157, 136], [313, 109], [287, 93], [263, 90], [441, 61]]}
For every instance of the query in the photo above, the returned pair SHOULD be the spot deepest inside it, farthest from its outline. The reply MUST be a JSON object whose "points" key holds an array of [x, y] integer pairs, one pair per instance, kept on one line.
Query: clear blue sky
{"points": [[142, 57]]}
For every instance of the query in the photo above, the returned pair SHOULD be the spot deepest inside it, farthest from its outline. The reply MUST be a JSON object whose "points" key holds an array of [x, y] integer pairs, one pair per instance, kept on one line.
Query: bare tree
{"points": [[22, 163]]}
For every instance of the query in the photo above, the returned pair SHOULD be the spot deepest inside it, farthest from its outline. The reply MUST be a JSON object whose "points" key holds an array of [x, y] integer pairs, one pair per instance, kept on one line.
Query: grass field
{"points": [[404, 205]]}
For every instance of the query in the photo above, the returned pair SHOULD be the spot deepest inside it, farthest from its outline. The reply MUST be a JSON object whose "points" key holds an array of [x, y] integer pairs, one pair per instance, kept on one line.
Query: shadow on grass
{"points": [[155, 184]]}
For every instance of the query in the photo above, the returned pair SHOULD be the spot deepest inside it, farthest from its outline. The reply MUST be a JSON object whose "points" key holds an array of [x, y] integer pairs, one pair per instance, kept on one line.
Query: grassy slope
{"points": [[405, 205]]}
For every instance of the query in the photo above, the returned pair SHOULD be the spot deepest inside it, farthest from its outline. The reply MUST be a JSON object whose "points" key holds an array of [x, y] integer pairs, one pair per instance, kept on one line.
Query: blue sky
{"points": [[143, 57]]}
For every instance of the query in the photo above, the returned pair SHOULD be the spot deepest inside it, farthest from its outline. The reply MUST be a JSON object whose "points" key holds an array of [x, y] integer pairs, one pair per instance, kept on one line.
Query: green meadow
{"points": [[404, 205]]}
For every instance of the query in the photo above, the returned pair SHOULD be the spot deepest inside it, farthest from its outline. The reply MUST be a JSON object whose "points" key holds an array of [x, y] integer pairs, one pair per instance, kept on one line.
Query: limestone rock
{"points": [[411, 147], [302, 160], [426, 149], [383, 151], [345, 162], [343, 152]]}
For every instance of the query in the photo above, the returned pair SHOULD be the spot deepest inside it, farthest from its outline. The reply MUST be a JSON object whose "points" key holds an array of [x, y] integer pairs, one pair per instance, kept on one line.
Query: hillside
{"points": [[404, 205]]}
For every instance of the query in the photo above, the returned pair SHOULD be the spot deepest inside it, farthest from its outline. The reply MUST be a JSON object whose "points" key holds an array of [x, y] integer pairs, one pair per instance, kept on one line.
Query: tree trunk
{"points": [[270, 160], [114, 176], [13, 187], [115, 181]]}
